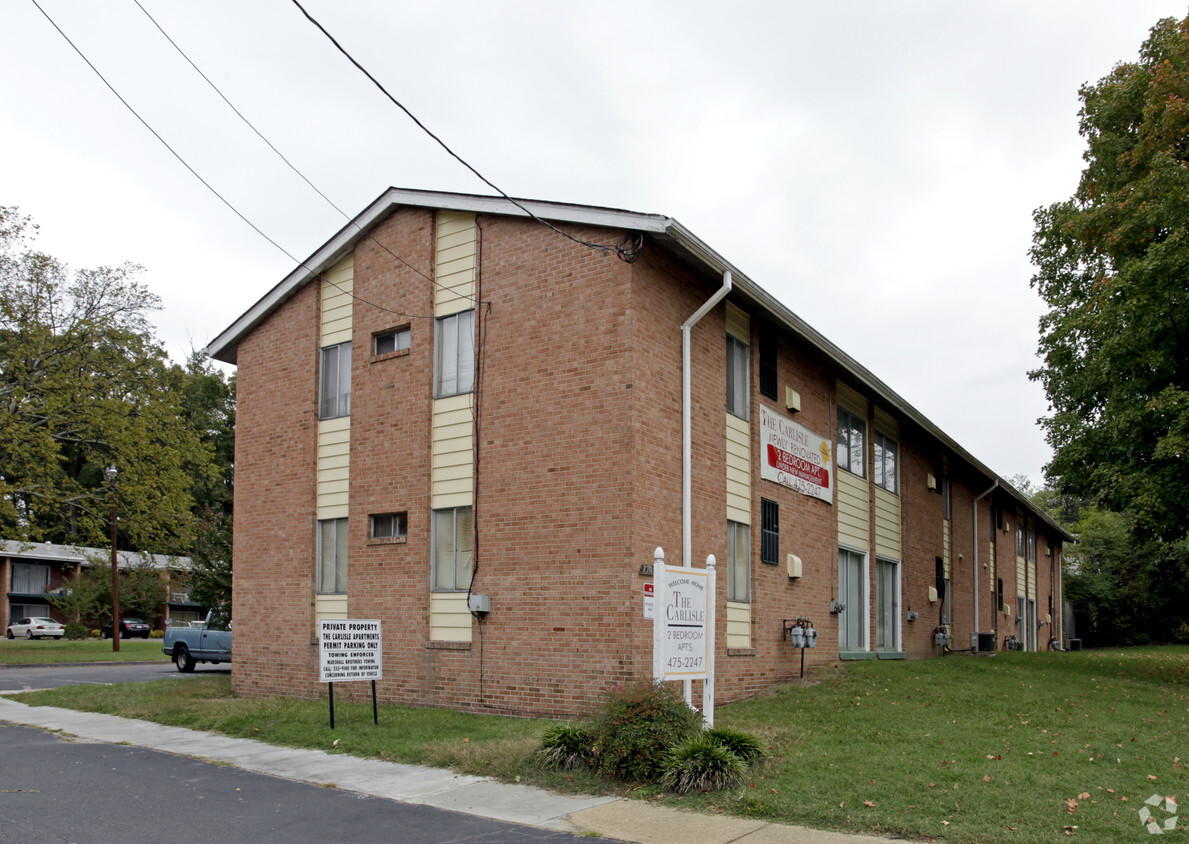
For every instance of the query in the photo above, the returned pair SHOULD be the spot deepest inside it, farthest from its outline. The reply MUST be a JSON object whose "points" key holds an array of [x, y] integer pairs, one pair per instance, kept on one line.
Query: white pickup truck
{"points": [[188, 646]]}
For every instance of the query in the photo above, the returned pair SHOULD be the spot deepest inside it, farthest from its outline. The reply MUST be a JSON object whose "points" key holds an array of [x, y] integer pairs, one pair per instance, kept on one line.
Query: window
{"points": [[887, 608], [30, 579], [738, 382], [942, 584], [852, 620], [999, 592], [947, 500], [852, 432], [886, 452], [332, 556], [769, 532], [390, 341], [1031, 546], [452, 535], [1021, 543], [454, 351], [738, 562], [768, 381], [389, 525], [335, 397]]}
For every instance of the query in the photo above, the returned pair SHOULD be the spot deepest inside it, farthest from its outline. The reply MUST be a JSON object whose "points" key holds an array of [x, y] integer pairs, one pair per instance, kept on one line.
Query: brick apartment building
{"points": [[449, 397]]}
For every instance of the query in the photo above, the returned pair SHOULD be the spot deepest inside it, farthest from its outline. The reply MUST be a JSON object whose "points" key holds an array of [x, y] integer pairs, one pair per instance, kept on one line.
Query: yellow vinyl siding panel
{"points": [[851, 400], [329, 606], [854, 514], [887, 424], [452, 458], [738, 625], [887, 524], [738, 323], [1021, 576], [455, 263], [1032, 581], [945, 546], [738, 469], [334, 467], [449, 619], [337, 286]]}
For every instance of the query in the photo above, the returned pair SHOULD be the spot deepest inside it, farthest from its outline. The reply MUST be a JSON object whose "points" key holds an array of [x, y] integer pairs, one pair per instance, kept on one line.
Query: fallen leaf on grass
{"points": [[986, 778], [869, 804], [1085, 795]]}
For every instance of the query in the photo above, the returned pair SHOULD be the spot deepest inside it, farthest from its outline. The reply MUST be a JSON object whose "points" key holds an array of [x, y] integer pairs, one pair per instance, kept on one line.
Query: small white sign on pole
{"points": [[349, 649], [649, 601]]}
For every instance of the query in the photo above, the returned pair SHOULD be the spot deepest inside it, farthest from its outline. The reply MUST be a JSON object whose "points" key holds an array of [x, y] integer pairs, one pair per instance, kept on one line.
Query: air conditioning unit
{"points": [[984, 643]]}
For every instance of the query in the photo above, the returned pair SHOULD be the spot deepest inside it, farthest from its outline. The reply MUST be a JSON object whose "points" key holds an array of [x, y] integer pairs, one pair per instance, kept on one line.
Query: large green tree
{"points": [[85, 384], [1113, 267]]}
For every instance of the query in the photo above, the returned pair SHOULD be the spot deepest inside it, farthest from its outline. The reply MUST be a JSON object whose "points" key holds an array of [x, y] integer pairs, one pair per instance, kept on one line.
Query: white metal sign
{"points": [[682, 612], [349, 649], [649, 601], [794, 456]]}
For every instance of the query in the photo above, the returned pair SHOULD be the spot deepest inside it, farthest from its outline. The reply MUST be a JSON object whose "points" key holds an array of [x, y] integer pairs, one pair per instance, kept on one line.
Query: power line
{"points": [[279, 154], [207, 184], [622, 249]]}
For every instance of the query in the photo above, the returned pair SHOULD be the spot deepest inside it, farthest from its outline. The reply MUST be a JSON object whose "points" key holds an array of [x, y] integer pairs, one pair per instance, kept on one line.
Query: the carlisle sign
{"points": [[795, 457]]}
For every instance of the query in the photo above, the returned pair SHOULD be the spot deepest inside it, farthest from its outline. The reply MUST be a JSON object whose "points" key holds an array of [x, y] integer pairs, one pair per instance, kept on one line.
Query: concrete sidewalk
{"points": [[625, 820]]}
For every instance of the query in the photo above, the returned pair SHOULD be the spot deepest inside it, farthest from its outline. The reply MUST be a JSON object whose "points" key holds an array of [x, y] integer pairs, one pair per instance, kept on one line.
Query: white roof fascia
{"points": [[82, 555]]}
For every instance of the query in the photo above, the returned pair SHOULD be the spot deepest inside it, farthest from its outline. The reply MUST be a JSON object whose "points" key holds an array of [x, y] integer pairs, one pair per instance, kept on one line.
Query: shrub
{"points": [[702, 764], [744, 745], [95, 633], [156, 634], [76, 630], [565, 747], [639, 723]]}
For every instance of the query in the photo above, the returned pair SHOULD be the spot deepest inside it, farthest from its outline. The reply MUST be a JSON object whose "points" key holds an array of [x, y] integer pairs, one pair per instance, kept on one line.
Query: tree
{"points": [[1113, 267], [84, 384]]}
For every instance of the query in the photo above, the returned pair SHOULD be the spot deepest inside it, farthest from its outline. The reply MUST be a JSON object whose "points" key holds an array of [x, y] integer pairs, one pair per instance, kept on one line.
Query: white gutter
{"points": [[977, 572], [687, 557]]}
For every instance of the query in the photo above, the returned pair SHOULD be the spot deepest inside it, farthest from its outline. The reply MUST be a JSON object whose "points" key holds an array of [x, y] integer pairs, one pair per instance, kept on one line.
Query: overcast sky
{"points": [[873, 164]]}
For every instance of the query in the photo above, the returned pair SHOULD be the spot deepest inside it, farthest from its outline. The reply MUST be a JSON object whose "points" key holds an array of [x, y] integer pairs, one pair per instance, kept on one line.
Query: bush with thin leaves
{"points": [[565, 747], [639, 724], [702, 764], [744, 745]]}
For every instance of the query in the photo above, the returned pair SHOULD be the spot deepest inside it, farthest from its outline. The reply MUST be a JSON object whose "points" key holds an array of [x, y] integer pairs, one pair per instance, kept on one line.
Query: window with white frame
{"points": [[738, 377], [388, 525], [1021, 541], [852, 620], [394, 340], [453, 532], [332, 556], [738, 562], [852, 435], [1031, 545], [29, 579], [335, 381], [887, 452], [454, 354]]}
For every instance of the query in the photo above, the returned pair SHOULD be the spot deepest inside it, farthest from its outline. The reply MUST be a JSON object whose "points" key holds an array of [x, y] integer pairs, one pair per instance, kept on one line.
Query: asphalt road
{"points": [[23, 678], [57, 788]]}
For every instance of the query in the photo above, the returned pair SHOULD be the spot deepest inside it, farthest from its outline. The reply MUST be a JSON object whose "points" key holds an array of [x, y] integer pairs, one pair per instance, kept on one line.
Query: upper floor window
{"points": [[29, 578], [335, 382], [1021, 542], [1031, 546], [738, 380], [852, 436], [768, 380], [454, 354], [386, 342], [887, 452]]}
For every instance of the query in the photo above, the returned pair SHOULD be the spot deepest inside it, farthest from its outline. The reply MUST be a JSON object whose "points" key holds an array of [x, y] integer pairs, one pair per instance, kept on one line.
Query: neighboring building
{"points": [[34, 570], [450, 397]]}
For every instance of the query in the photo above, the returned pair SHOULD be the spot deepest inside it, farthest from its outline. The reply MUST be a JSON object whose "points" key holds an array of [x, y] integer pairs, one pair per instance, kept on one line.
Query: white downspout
{"points": [[977, 572], [687, 556]]}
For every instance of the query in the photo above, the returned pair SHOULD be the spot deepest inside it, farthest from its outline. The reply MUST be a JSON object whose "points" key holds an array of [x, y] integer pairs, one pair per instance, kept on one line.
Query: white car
{"points": [[36, 628]]}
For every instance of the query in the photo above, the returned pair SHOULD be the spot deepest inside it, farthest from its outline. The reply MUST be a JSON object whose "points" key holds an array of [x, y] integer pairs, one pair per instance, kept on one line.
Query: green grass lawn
{"points": [[1012, 748], [24, 652]]}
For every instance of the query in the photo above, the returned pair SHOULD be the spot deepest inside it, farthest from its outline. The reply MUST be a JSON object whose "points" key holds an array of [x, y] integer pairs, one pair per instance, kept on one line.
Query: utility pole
{"points": [[110, 474]]}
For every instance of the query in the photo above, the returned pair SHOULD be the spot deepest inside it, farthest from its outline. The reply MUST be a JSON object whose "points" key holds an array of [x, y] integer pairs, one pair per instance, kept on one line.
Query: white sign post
{"points": [[350, 649], [683, 626]]}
